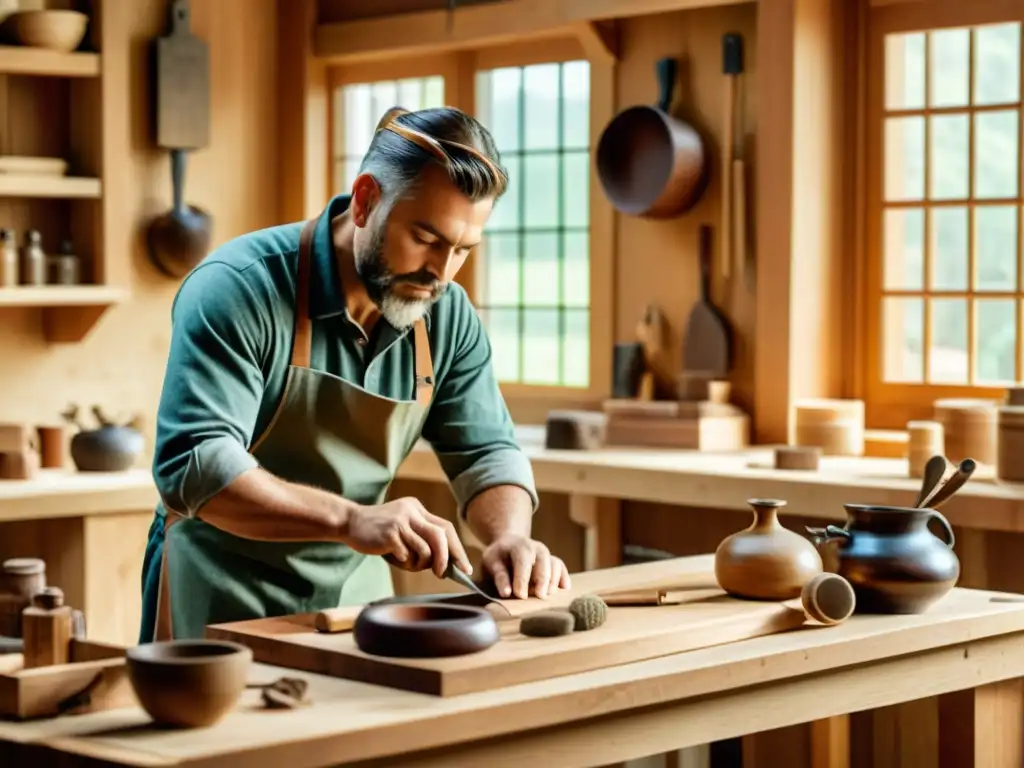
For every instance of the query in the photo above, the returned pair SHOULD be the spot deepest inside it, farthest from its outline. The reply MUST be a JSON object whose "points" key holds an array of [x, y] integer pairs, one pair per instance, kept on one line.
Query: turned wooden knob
{"points": [[49, 598]]}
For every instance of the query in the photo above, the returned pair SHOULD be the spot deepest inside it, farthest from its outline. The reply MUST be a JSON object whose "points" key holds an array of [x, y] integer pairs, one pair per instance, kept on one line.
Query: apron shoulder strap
{"points": [[424, 364], [302, 340]]}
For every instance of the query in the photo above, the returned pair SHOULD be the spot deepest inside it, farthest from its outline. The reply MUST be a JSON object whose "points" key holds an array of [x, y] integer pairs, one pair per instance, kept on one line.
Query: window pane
{"points": [[904, 249], [903, 337], [576, 351], [949, 156], [904, 158], [576, 189], [501, 271], [996, 153], [949, 67], [540, 179], [357, 120], [997, 64], [433, 92], [949, 248], [385, 96], [576, 270], [904, 71], [542, 346], [995, 232], [996, 328], [410, 94], [505, 215], [576, 104], [503, 333], [541, 84], [947, 362], [541, 272], [503, 91]]}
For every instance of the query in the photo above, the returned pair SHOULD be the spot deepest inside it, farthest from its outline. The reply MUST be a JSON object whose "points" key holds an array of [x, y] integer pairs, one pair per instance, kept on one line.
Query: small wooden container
{"points": [[52, 442], [1010, 444], [835, 426], [575, 430], [1014, 396], [970, 428], [927, 439], [796, 458], [47, 629]]}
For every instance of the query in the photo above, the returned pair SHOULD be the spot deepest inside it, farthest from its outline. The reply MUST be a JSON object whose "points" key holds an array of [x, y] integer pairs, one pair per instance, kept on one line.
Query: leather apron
{"points": [[327, 433]]}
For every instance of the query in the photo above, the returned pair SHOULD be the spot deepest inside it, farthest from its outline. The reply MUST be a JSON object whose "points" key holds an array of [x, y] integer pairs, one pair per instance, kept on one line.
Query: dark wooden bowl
{"points": [[424, 630], [188, 683]]}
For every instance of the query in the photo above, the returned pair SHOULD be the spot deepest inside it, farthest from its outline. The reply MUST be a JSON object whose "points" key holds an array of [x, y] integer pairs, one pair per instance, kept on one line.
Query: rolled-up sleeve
{"points": [[212, 387], [469, 426]]}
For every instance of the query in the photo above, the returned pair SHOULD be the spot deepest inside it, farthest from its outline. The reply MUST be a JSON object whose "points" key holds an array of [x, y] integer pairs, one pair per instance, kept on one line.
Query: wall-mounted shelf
{"points": [[19, 60], [60, 187], [69, 311]]}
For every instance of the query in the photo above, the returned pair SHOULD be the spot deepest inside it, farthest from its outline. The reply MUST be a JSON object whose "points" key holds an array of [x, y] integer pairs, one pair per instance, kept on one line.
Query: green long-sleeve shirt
{"points": [[232, 323]]}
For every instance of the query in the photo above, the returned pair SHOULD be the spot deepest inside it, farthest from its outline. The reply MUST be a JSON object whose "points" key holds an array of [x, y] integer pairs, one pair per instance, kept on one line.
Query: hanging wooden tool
{"points": [[707, 341], [180, 238], [732, 65]]}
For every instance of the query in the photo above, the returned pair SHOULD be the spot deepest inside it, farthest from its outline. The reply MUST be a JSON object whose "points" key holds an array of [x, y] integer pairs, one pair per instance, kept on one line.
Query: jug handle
{"points": [[829, 533], [949, 539]]}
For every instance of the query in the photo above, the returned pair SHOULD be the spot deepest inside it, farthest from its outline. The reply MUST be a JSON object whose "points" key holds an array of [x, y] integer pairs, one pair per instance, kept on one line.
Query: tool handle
{"points": [[732, 54], [666, 70], [335, 620], [180, 17], [705, 263], [178, 158]]}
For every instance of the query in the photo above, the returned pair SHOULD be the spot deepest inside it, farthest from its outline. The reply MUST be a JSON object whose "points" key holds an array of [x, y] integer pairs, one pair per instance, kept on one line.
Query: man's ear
{"points": [[366, 195]]}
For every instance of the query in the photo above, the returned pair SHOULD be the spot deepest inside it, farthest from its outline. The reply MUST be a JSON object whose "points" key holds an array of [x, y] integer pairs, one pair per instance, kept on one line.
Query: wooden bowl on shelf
{"points": [[188, 683], [55, 30]]}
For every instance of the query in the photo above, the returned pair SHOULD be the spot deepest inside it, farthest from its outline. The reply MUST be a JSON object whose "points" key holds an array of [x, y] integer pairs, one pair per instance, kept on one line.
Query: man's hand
{"points": [[407, 535], [521, 566]]}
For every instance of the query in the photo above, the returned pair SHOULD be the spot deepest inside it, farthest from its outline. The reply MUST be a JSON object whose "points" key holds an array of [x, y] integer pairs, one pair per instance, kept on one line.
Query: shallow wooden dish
{"points": [[55, 30], [424, 630], [188, 683]]}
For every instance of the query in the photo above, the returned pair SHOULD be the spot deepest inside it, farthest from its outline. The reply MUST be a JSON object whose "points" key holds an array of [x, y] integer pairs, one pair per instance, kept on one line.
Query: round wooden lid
{"points": [[23, 566]]}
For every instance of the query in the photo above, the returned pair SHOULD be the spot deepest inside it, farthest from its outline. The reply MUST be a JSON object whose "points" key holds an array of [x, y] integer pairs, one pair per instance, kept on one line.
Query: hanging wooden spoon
{"points": [[954, 484], [935, 471]]}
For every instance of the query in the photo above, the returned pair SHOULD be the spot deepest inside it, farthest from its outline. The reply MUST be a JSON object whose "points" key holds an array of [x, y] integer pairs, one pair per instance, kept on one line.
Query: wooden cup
{"points": [[51, 447]]}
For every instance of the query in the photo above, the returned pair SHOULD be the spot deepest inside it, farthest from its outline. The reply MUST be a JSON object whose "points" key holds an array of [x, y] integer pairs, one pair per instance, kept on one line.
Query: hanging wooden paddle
{"points": [[707, 342]]}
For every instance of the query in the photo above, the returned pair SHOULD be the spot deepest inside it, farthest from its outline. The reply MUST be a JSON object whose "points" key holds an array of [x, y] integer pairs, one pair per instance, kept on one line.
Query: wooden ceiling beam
{"points": [[472, 26]]}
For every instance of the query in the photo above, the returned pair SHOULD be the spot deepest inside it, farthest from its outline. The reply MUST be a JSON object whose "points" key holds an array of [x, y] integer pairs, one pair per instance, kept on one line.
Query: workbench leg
{"points": [[983, 727], [601, 519]]}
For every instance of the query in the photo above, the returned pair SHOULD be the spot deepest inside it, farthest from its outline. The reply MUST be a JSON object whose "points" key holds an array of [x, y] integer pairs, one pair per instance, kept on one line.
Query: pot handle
{"points": [[666, 71], [949, 538], [829, 533]]}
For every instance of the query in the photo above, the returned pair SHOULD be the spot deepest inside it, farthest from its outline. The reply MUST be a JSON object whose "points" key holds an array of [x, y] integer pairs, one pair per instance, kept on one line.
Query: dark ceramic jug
{"points": [[110, 448], [894, 562]]}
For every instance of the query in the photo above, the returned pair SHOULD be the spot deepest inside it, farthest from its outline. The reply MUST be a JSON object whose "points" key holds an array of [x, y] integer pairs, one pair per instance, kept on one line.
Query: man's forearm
{"points": [[258, 505], [500, 510]]}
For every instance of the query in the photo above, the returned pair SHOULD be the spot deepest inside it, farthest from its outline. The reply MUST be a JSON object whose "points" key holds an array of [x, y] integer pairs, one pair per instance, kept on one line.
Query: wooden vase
{"points": [[766, 561]]}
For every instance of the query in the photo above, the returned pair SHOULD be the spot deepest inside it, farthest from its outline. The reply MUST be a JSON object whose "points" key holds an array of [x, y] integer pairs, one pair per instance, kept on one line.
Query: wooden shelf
{"points": [[19, 60], [66, 187], [61, 296], [69, 312]]}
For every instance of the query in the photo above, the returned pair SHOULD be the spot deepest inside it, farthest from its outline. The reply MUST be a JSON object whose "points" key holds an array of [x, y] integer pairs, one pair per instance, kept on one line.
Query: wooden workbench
{"points": [[966, 649]]}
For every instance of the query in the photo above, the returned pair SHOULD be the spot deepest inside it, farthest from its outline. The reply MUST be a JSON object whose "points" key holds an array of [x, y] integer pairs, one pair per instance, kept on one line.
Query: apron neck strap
{"points": [[302, 342]]}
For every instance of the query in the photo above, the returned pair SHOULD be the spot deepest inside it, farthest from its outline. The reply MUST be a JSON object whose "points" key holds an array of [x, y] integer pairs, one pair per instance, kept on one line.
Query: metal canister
{"points": [[33, 260], [66, 265]]}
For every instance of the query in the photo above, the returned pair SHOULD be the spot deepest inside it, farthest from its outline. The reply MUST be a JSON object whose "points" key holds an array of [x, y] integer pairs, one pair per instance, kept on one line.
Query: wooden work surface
{"points": [[726, 480], [588, 719], [63, 493], [705, 617]]}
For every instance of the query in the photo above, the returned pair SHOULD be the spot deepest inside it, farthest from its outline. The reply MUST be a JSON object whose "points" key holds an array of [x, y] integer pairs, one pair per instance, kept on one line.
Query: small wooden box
{"points": [[703, 433], [96, 679]]}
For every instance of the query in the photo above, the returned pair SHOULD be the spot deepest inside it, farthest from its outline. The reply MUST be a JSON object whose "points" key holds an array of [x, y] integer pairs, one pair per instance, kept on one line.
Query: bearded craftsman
{"points": [[306, 361]]}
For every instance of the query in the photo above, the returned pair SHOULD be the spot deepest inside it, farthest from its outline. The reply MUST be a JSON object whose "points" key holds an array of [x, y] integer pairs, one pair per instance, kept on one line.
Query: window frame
{"points": [[891, 405], [459, 70]]}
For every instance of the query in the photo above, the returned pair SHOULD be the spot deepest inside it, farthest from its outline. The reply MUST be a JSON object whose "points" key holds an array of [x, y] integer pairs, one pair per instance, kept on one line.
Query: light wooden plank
{"points": [[64, 187], [20, 60], [474, 26], [61, 296]]}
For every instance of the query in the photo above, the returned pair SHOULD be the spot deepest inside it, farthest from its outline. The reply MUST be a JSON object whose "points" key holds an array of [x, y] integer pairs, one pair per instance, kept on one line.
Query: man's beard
{"points": [[380, 284]]}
